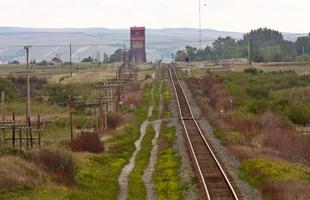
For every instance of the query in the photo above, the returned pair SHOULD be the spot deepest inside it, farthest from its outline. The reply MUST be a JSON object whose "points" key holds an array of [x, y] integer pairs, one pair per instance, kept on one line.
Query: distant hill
{"points": [[55, 42]]}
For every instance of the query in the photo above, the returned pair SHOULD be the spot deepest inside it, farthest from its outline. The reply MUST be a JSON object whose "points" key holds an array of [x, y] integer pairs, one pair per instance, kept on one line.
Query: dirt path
{"points": [[123, 178], [148, 172]]}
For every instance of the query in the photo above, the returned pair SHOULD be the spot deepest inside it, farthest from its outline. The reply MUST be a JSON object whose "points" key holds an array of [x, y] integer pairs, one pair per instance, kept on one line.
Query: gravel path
{"points": [[123, 178], [231, 164]]}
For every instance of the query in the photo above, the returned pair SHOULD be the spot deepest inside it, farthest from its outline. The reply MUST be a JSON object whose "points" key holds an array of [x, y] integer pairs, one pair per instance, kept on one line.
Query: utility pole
{"points": [[99, 57], [303, 52], [249, 50], [200, 24], [237, 50], [28, 111], [3, 116], [70, 117], [70, 60]]}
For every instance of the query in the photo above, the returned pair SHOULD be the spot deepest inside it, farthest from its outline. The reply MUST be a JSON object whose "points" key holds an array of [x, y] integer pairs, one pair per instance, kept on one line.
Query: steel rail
{"points": [[198, 167]]}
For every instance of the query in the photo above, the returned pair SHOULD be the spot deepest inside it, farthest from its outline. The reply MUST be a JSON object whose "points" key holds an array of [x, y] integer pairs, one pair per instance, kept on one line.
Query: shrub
{"points": [[57, 161], [132, 98], [114, 120], [252, 71], [87, 142], [260, 171], [300, 114], [147, 77]]}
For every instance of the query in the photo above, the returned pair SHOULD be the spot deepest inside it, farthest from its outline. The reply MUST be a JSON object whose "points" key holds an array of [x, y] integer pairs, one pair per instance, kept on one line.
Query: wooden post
{"points": [[13, 131], [3, 116], [39, 131], [30, 132], [106, 110], [20, 139], [101, 118], [70, 117], [27, 136]]}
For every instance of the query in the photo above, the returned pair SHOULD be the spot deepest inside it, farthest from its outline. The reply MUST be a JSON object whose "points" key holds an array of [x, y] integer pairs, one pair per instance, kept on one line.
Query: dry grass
{"points": [[16, 172], [286, 190]]}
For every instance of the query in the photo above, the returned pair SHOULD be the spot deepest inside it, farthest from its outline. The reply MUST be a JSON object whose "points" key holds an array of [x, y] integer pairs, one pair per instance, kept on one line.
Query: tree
{"points": [[302, 45], [87, 60], [180, 56], [117, 56]]}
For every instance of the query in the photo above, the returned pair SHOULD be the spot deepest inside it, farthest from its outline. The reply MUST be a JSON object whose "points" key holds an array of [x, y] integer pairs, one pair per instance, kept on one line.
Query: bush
{"points": [[300, 114], [132, 98], [87, 142], [57, 161], [114, 120], [252, 71]]}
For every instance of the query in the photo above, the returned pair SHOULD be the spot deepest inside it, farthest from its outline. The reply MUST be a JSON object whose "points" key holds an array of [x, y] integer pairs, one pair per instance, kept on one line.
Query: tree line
{"points": [[265, 45]]}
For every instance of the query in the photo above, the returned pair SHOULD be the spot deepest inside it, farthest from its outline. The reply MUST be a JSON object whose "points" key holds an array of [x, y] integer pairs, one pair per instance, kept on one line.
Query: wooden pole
{"points": [[30, 132], [28, 110], [106, 110], [20, 139], [101, 118], [13, 131], [3, 116], [39, 131], [70, 60], [70, 117]]}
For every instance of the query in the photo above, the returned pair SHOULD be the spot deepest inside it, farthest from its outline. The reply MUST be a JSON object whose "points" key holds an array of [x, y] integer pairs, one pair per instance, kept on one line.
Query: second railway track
{"points": [[214, 181]]}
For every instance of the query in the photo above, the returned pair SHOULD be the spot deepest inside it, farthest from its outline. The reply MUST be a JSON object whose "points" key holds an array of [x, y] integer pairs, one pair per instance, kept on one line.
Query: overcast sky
{"points": [[229, 15]]}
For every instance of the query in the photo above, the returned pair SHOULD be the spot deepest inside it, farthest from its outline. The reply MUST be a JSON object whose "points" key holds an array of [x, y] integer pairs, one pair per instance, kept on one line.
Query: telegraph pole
{"points": [[28, 111], [3, 116], [200, 23], [303, 52], [249, 51], [70, 60]]}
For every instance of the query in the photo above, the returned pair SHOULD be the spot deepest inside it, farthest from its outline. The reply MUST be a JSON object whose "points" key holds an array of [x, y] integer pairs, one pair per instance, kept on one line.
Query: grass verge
{"points": [[168, 183], [136, 185]]}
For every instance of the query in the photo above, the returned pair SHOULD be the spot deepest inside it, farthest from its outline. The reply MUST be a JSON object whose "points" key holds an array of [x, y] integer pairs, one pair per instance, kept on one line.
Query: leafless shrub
{"points": [[132, 98], [87, 142], [135, 86], [58, 162], [114, 120]]}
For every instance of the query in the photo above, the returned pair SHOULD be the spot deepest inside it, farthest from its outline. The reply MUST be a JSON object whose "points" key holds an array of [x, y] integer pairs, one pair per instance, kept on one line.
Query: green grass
{"points": [[168, 184], [97, 174], [136, 186], [259, 171], [279, 92]]}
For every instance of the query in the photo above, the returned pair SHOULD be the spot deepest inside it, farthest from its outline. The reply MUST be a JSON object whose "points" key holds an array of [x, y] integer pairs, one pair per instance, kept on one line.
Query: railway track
{"points": [[214, 181]]}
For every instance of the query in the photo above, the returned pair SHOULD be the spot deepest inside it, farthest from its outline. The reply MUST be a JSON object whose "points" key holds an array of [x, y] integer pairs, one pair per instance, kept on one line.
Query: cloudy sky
{"points": [[229, 15]]}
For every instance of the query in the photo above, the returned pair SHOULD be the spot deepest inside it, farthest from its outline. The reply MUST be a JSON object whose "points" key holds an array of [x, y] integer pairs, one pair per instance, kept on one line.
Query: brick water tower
{"points": [[137, 45]]}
